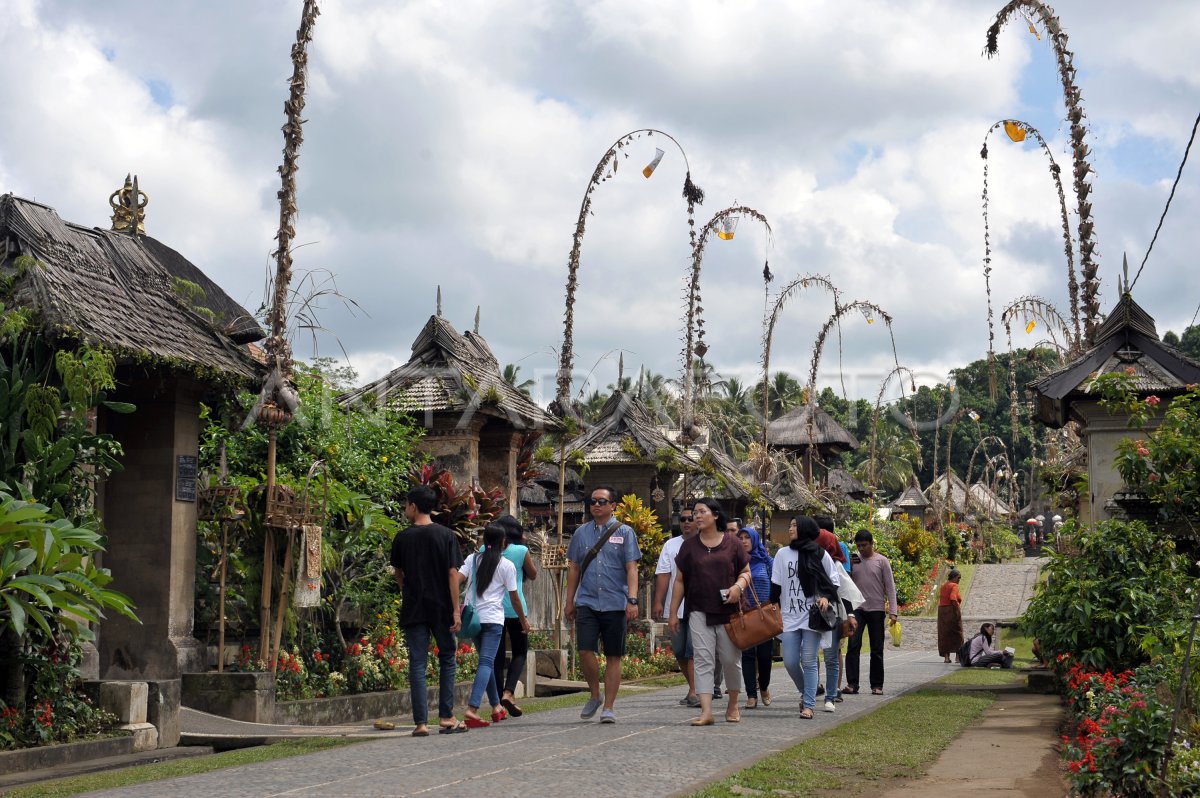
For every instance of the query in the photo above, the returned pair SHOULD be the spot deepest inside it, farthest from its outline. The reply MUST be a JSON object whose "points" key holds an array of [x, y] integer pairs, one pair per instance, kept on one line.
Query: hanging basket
{"points": [[221, 503], [554, 558], [287, 510]]}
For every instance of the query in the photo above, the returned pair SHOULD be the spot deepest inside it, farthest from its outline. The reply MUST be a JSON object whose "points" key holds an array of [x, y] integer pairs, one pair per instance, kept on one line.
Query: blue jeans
{"points": [[832, 669], [487, 644], [800, 658], [416, 638]]}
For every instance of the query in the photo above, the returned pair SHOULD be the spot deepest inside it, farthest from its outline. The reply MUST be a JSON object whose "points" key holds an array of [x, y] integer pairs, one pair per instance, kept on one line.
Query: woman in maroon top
{"points": [[713, 572]]}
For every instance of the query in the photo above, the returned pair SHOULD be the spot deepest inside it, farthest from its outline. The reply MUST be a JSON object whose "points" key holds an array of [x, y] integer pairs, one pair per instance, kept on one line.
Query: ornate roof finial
{"points": [[439, 301], [620, 370], [477, 319], [129, 208], [1125, 271]]}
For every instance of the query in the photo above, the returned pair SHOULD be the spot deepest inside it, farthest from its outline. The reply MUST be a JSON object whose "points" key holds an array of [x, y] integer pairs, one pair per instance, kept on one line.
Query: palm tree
{"points": [[783, 393], [511, 375], [593, 405], [895, 454]]}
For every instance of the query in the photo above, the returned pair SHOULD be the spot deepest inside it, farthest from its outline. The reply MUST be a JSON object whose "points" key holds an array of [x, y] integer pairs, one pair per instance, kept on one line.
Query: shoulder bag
{"points": [[760, 624], [594, 551], [470, 618]]}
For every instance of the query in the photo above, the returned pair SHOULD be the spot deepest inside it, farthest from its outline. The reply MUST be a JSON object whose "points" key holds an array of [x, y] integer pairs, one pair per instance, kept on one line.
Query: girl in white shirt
{"points": [[489, 576]]}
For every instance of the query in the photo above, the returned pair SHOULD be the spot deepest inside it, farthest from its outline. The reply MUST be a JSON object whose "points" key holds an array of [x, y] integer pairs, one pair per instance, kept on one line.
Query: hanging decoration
{"points": [[650, 167]]}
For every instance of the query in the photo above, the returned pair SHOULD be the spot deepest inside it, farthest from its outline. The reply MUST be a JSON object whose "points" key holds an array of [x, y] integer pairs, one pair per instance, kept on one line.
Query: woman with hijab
{"points": [[803, 578], [713, 574], [949, 625], [756, 660]]}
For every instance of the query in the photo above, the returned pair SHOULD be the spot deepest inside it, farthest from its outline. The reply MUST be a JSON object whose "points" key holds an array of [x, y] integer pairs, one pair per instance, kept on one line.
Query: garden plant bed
{"points": [[345, 709]]}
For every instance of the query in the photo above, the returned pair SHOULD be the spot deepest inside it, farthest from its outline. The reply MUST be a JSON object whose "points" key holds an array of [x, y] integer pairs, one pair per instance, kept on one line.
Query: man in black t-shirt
{"points": [[425, 561]]}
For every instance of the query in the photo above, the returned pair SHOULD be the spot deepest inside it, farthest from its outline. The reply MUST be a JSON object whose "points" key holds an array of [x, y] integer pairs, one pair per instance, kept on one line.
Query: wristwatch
{"points": [[632, 601]]}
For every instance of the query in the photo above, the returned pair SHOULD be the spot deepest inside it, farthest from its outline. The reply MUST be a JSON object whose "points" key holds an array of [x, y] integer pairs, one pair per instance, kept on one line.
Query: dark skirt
{"points": [[950, 629]]}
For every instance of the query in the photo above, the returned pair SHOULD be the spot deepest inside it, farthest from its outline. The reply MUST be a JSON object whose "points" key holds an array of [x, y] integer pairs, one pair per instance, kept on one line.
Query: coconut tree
{"points": [[1034, 13], [512, 375]]}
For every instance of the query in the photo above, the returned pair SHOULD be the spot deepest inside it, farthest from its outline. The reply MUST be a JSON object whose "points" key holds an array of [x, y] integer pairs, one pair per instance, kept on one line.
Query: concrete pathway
{"points": [[650, 751]]}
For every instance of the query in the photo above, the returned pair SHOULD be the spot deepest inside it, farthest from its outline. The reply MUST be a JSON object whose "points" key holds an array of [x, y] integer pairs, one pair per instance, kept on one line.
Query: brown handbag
{"points": [[760, 624]]}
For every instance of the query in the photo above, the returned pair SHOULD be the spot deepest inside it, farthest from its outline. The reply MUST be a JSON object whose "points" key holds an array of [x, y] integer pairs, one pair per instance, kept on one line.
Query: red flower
{"points": [[1153, 401]]}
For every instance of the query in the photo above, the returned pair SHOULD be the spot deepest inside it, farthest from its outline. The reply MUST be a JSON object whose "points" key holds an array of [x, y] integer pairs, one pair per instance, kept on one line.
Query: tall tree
{"points": [[512, 375]]}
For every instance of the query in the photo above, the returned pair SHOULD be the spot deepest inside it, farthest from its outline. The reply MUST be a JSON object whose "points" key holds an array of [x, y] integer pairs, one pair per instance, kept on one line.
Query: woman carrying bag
{"points": [[713, 573], [489, 577], [756, 660], [804, 580]]}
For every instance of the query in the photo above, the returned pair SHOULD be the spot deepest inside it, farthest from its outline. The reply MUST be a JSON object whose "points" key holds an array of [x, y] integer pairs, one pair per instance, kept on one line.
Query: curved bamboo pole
{"points": [[687, 423], [694, 195], [895, 372], [1073, 98]]}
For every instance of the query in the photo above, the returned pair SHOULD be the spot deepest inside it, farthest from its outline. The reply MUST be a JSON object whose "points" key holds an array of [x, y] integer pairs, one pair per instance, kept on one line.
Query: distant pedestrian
{"points": [[873, 575], [834, 656], [757, 660], [804, 579], [664, 587], [425, 559], [509, 672], [714, 571], [489, 577], [949, 623], [601, 597]]}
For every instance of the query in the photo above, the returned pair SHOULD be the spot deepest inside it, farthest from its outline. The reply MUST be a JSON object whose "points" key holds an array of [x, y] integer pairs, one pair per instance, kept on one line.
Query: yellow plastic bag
{"points": [[894, 628]]}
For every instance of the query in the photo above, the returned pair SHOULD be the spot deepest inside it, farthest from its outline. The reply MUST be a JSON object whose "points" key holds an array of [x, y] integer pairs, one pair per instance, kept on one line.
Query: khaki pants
{"points": [[710, 645]]}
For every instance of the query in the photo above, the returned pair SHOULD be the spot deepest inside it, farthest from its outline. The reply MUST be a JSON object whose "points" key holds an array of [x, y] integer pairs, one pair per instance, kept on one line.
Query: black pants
{"points": [[756, 668], [507, 673], [872, 623]]}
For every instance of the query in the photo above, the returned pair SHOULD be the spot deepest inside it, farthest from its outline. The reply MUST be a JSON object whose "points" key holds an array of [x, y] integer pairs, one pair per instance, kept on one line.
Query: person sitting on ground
{"points": [[984, 655]]}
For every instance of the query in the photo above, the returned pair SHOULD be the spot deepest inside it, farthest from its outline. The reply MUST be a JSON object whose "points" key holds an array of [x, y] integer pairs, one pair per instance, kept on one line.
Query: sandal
{"points": [[806, 714], [734, 719], [476, 723], [849, 691], [458, 728], [512, 708], [420, 732], [752, 703], [700, 722], [766, 698], [499, 715], [876, 691]]}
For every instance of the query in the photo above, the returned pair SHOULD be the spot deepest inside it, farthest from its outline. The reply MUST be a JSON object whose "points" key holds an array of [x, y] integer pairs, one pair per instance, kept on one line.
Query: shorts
{"points": [[593, 627], [681, 642]]}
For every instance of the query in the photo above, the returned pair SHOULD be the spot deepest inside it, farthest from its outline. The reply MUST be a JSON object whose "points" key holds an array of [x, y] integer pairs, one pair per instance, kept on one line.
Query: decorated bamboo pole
{"points": [[221, 596]]}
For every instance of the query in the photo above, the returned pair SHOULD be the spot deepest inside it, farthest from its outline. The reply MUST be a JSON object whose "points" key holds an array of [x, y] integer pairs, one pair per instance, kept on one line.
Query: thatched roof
{"points": [[719, 476], [1126, 340], [845, 483], [910, 501], [626, 433], [983, 504], [119, 291], [984, 497], [809, 425], [450, 372]]}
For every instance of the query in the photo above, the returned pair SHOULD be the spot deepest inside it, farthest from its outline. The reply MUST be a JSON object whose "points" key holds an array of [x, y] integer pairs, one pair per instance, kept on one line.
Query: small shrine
{"points": [[911, 502], [1126, 341], [475, 420], [811, 436]]}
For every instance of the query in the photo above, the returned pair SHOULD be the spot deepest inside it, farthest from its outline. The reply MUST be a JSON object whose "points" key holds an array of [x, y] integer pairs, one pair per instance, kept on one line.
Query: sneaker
{"points": [[608, 716], [820, 689], [829, 706], [837, 699], [717, 693], [590, 708], [691, 701]]}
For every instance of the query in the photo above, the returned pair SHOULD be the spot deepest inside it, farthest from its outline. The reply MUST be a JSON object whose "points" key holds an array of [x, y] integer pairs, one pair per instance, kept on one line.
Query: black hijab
{"points": [[810, 568]]}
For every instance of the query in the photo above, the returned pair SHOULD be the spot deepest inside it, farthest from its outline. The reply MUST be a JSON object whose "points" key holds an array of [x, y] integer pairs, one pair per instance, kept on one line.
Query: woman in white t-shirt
{"points": [[489, 576], [803, 576]]}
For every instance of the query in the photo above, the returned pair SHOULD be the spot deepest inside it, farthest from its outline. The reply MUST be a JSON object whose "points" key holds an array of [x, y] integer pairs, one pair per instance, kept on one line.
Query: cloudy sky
{"points": [[450, 143]]}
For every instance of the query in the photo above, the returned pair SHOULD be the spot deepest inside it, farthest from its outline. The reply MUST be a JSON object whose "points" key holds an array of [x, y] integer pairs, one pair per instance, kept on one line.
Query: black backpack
{"points": [[964, 653]]}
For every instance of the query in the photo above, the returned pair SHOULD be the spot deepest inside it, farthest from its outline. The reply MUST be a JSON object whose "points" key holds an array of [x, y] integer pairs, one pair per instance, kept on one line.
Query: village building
{"points": [[812, 437], [176, 337]]}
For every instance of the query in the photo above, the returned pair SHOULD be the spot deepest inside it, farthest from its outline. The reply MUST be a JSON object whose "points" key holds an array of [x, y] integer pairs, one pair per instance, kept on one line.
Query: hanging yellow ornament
{"points": [[727, 228], [650, 167], [1014, 131], [1029, 327]]}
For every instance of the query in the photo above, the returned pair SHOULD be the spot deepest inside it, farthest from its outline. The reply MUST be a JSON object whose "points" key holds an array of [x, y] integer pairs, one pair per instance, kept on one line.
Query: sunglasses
{"points": [[599, 502], [685, 519]]}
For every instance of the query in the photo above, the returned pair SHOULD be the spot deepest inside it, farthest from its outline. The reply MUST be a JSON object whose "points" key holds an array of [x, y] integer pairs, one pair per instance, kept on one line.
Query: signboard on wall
{"points": [[185, 477]]}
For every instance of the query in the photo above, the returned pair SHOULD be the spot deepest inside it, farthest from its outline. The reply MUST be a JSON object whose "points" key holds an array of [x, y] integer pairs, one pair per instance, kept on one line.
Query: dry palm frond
{"points": [[1036, 11]]}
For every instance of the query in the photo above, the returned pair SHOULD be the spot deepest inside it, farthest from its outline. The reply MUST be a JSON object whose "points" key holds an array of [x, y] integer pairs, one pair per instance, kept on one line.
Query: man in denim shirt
{"points": [[604, 602]]}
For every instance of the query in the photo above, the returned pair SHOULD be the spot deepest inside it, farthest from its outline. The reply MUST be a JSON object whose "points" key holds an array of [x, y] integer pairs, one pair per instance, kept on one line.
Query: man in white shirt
{"points": [[664, 583]]}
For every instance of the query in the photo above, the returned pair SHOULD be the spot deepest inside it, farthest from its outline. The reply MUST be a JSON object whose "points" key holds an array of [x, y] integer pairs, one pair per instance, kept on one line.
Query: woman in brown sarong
{"points": [[950, 629]]}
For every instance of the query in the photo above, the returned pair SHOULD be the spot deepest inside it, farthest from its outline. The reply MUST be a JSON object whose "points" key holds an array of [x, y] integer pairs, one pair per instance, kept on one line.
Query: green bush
{"points": [[1109, 604]]}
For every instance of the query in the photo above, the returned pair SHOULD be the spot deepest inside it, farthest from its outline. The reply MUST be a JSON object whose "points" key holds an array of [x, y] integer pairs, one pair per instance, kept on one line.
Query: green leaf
{"points": [[119, 407]]}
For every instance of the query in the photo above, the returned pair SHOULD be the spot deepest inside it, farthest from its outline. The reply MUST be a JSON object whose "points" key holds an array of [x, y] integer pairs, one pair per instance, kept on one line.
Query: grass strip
{"points": [[987, 677], [852, 758], [127, 777]]}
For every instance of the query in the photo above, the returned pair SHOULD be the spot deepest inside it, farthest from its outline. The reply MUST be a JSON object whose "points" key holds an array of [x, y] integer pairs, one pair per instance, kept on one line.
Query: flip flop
{"points": [[737, 719], [512, 708], [458, 728], [476, 723], [806, 714], [420, 732], [766, 698], [699, 722], [850, 691], [876, 691]]}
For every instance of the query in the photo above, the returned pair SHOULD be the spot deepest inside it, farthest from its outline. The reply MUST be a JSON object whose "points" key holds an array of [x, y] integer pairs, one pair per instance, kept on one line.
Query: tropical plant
{"points": [[463, 509], [644, 521], [512, 375]]}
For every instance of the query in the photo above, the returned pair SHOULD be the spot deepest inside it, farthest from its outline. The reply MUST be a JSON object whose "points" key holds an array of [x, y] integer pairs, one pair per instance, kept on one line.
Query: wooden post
{"points": [[221, 597], [268, 577], [281, 610]]}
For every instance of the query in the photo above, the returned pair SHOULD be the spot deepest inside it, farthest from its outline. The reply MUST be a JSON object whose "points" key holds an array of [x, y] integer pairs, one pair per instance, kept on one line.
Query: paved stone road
{"points": [[651, 751], [1001, 592]]}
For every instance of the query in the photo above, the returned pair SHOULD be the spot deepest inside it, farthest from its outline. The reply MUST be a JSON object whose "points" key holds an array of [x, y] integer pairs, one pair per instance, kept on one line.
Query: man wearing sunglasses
{"points": [[602, 598]]}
